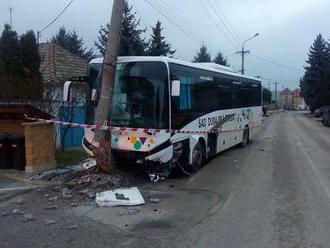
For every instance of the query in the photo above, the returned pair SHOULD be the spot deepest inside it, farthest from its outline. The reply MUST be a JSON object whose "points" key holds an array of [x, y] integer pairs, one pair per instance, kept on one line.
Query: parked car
{"points": [[318, 113], [326, 116]]}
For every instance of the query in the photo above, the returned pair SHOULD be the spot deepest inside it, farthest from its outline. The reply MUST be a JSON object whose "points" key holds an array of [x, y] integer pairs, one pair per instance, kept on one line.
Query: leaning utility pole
{"points": [[103, 153]]}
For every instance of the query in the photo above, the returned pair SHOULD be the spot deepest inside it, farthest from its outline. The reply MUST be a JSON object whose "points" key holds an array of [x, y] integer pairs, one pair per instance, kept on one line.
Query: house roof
{"points": [[58, 64], [286, 91], [17, 111]]}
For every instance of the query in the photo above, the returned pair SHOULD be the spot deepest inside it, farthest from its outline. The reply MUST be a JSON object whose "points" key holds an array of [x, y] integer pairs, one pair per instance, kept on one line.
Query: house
{"points": [[57, 66], [292, 100], [297, 100], [286, 99]]}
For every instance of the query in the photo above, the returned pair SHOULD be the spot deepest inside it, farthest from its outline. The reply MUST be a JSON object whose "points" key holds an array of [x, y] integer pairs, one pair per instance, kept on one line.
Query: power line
{"points": [[209, 14], [215, 10], [276, 63], [57, 17], [173, 22], [171, 12], [227, 20]]}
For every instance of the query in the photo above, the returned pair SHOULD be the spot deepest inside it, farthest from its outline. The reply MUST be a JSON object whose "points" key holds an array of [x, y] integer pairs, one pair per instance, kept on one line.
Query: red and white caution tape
{"points": [[131, 129]]}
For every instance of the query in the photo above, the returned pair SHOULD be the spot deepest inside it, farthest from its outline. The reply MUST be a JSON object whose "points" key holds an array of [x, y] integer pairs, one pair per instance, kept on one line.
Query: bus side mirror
{"points": [[66, 91], [175, 89]]}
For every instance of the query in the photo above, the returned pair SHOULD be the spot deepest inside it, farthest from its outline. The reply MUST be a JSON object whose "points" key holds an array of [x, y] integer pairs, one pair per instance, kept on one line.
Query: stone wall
{"points": [[39, 146]]}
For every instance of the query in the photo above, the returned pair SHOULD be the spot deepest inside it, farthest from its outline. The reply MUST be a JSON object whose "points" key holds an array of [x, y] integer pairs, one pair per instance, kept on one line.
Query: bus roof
{"points": [[167, 60]]}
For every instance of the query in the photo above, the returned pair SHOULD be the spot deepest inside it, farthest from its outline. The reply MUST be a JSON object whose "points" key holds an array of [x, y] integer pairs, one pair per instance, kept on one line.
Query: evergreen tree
{"points": [[30, 53], [157, 44], [10, 53], [266, 96], [219, 59], [19, 66], [131, 41], [32, 80], [202, 55], [314, 83], [71, 41]]}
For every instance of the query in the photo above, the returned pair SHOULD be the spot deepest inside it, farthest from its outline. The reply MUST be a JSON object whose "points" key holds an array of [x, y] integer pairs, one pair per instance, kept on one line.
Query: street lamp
{"points": [[243, 52]]}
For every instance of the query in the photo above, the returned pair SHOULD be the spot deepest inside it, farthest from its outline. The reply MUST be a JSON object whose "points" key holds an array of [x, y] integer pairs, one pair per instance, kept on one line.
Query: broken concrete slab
{"points": [[120, 197]]}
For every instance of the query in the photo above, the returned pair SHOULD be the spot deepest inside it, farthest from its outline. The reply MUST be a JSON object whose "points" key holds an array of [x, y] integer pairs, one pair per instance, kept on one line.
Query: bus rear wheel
{"points": [[246, 137]]}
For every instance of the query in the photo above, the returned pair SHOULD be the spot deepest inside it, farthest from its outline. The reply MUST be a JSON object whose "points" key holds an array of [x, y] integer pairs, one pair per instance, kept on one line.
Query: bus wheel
{"points": [[198, 157], [246, 137]]}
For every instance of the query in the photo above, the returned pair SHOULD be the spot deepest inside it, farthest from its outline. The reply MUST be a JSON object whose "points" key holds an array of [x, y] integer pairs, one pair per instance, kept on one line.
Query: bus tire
{"points": [[246, 137], [198, 158]]}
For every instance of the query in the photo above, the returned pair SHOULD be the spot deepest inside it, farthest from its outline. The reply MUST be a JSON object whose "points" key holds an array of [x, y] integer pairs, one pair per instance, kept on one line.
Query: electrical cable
{"points": [[57, 17], [173, 22], [215, 11], [276, 63]]}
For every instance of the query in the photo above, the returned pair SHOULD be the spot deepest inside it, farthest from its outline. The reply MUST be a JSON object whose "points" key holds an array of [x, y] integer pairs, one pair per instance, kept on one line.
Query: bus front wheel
{"points": [[246, 137], [198, 157]]}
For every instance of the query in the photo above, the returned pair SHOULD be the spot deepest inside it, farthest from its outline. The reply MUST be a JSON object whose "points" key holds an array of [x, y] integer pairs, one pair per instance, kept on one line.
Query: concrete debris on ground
{"points": [[4, 214], [154, 200], [20, 201], [28, 217], [17, 212], [89, 164], [50, 222], [53, 198], [52, 207], [133, 210], [72, 227], [120, 197]]}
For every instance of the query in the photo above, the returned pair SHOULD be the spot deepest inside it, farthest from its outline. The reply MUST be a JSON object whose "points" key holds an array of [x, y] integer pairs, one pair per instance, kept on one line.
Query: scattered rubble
{"points": [[133, 211], [72, 227], [53, 198], [5, 214], [20, 201], [17, 212], [50, 222], [28, 217], [52, 207], [154, 200]]}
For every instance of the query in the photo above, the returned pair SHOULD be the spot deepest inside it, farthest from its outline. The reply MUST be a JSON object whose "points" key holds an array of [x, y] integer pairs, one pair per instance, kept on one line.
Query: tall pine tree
{"points": [[219, 59], [72, 42], [19, 66], [202, 55], [131, 41], [314, 83], [31, 82], [157, 44], [10, 53]]}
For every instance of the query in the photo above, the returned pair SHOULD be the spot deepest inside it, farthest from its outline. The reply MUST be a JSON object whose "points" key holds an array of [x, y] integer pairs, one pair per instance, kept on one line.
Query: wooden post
{"points": [[103, 154]]}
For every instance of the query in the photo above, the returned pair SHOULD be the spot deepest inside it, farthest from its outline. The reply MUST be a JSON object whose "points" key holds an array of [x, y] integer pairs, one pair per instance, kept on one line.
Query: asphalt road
{"points": [[273, 193]]}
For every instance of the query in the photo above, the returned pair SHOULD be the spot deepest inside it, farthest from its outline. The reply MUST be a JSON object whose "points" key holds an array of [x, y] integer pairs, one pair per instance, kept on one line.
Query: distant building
{"points": [[292, 100]]}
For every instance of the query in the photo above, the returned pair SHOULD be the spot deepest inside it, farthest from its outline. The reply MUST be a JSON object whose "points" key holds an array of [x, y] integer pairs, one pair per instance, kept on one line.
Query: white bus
{"points": [[217, 107]]}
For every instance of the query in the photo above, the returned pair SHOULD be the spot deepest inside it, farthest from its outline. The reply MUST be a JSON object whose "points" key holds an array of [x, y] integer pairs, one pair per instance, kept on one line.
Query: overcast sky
{"points": [[287, 27]]}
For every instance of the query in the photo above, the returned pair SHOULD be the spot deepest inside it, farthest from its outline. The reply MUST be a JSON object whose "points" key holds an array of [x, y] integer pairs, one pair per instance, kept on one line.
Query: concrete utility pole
{"points": [[243, 51], [103, 154], [276, 83], [11, 17]]}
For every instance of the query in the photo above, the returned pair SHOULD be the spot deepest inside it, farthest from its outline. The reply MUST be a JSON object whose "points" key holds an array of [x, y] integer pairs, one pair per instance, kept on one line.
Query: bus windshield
{"points": [[140, 95]]}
